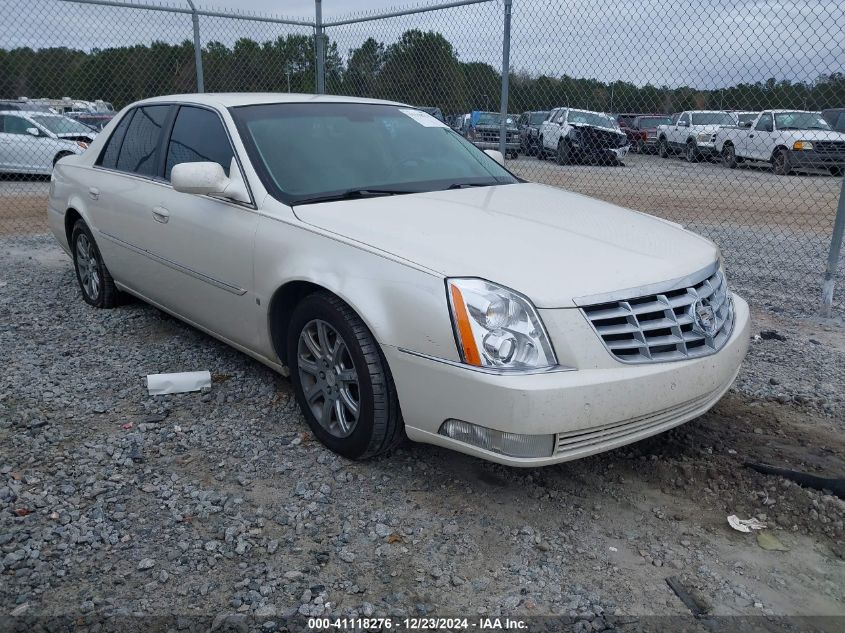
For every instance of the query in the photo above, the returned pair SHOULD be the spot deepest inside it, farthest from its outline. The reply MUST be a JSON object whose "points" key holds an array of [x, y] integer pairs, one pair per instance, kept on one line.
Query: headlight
{"points": [[82, 144], [802, 145], [704, 136], [497, 327]]}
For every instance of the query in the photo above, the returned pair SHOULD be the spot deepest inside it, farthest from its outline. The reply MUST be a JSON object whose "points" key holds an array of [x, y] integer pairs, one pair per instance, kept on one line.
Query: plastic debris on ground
{"points": [[744, 525], [180, 382]]}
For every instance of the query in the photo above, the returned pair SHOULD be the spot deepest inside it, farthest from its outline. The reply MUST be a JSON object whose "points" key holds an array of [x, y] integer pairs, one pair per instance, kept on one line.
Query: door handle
{"points": [[160, 214], [94, 193], [750, 136]]}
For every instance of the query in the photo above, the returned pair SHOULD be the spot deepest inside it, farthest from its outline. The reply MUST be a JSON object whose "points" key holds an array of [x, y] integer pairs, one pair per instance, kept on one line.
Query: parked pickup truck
{"points": [[788, 139], [693, 133], [484, 129], [571, 135]]}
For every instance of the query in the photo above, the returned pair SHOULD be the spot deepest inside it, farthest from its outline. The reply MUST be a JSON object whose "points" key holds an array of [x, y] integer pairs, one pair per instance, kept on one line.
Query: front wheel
{"points": [[341, 380], [663, 148], [94, 279], [729, 156], [563, 153], [691, 152], [781, 163]]}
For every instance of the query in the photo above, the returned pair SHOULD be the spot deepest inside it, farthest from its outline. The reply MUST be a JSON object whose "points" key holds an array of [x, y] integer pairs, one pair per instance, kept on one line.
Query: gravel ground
{"points": [[221, 505]]}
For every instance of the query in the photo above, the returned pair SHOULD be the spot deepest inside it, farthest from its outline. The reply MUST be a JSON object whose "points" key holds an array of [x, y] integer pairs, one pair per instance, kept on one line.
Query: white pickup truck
{"points": [[692, 132], [788, 139]]}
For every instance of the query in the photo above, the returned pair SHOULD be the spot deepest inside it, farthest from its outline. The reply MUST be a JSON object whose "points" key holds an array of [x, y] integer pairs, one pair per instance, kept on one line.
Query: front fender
{"points": [[402, 304]]}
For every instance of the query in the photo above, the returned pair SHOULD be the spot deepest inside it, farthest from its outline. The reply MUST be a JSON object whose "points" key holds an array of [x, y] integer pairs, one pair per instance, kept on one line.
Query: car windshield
{"points": [[305, 152], [61, 125], [801, 121], [654, 121], [591, 118], [538, 117], [712, 118]]}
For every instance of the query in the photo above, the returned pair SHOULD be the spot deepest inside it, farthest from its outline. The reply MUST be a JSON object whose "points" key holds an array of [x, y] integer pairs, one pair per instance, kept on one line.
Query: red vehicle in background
{"points": [[642, 131]]}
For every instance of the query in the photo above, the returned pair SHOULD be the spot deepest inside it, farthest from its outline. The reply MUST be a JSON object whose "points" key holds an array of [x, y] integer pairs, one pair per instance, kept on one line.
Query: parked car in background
{"points": [[32, 142], [484, 130], [642, 133], [744, 118], [351, 247], [836, 118], [692, 133], [24, 105], [571, 135], [437, 113], [625, 119], [787, 139], [95, 120], [529, 131]]}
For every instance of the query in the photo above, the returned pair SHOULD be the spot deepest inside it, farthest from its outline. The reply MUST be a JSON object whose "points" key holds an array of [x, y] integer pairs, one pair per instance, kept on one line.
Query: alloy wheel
{"points": [[328, 377], [88, 267]]}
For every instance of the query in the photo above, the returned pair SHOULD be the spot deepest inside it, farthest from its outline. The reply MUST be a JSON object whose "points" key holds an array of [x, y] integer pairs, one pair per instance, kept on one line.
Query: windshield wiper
{"points": [[351, 194], [467, 185]]}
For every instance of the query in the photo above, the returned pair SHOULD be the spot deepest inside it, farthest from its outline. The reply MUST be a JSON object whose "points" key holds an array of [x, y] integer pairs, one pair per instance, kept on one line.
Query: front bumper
{"points": [[812, 159], [598, 407], [510, 145]]}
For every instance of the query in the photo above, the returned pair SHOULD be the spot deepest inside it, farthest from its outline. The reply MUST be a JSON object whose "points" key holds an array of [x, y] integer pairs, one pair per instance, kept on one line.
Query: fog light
{"points": [[512, 444]]}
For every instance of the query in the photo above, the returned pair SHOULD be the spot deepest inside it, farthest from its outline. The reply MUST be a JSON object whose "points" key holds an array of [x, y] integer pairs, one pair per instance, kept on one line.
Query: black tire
{"points": [[663, 147], [541, 150], [562, 156], [638, 147], [691, 152], [89, 265], [781, 163], [379, 427], [837, 171], [729, 156]]}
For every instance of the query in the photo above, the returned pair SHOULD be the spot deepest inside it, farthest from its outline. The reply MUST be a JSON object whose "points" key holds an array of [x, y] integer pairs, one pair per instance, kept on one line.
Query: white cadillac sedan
{"points": [[407, 282]]}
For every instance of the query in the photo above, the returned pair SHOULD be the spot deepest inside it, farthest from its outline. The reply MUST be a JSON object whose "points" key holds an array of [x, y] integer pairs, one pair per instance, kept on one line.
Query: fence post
{"points": [[833, 255], [320, 44], [506, 64], [197, 47]]}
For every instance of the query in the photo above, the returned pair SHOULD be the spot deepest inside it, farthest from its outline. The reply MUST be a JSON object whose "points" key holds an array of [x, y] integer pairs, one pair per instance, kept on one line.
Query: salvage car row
{"points": [[788, 140]]}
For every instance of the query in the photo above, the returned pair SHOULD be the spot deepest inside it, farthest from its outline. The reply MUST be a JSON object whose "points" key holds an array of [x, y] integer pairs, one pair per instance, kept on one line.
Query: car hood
{"points": [[552, 245], [814, 135]]}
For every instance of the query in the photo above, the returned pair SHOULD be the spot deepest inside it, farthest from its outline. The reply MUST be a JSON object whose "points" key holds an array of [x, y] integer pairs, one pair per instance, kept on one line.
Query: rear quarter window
{"points": [[139, 150]]}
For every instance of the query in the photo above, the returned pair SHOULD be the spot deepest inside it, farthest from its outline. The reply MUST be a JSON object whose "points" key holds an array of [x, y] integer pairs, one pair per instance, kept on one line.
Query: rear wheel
{"points": [[94, 279], [342, 382], [663, 148], [729, 156], [781, 163]]}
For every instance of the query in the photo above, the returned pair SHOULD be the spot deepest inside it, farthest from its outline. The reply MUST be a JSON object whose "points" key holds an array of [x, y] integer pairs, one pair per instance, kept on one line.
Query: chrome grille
{"points": [[666, 326], [829, 147]]}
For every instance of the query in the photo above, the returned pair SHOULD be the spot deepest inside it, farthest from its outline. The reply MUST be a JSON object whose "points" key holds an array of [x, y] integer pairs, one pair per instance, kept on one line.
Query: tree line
{"points": [[422, 68]]}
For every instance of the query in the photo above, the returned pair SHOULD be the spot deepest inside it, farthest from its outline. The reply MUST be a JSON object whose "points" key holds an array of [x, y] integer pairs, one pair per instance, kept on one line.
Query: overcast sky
{"points": [[702, 43]]}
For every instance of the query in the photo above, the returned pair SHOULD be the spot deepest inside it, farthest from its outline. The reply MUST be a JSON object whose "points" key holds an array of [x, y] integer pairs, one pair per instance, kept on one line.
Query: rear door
{"points": [[206, 242]]}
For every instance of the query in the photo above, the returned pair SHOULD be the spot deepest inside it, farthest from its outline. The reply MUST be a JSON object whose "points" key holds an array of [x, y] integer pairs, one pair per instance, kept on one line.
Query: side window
{"points": [[684, 118], [839, 126], [15, 124], [561, 116], [139, 151], [108, 158], [552, 115], [765, 123], [198, 136]]}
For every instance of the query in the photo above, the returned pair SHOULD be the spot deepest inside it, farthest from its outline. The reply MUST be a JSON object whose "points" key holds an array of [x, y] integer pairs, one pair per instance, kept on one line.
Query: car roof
{"points": [[233, 99]]}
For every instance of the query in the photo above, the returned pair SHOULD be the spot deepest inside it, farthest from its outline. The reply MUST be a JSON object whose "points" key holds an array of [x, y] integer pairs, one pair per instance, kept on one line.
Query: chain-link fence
{"points": [[722, 115]]}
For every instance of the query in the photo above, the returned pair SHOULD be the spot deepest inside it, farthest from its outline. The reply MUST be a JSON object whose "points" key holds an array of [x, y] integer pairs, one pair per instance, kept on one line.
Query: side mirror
{"points": [[747, 124], [495, 155], [33, 131], [682, 124], [209, 179]]}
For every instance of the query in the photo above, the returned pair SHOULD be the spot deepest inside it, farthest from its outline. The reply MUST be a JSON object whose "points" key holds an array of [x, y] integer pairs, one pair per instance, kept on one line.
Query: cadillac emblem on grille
{"points": [[705, 316]]}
